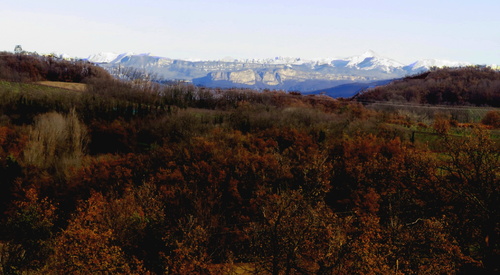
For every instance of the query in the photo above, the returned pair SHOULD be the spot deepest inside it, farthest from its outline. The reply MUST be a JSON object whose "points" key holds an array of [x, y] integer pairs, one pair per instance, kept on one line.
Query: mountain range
{"points": [[279, 73]]}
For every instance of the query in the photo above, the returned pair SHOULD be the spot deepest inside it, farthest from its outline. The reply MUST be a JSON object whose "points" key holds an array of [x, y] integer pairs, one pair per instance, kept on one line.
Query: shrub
{"points": [[492, 118]]}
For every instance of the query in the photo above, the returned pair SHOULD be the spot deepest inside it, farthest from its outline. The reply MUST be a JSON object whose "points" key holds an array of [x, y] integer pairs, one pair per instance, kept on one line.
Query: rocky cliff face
{"points": [[246, 77]]}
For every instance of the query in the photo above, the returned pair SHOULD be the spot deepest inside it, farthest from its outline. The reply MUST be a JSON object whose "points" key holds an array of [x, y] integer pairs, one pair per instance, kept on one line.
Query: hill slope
{"points": [[477, 86]]}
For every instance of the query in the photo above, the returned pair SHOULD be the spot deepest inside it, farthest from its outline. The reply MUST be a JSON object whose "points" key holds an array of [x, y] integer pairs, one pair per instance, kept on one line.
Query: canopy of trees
{"points": [[142, 178]]}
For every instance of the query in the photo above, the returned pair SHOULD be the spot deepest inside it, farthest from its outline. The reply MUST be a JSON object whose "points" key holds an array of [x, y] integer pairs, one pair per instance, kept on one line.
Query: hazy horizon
{"points": [[207, 30]]}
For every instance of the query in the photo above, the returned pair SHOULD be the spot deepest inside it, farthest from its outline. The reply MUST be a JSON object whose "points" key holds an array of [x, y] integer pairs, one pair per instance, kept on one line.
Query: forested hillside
{"points": [[140, 178], [37, 68], [470, 86]]}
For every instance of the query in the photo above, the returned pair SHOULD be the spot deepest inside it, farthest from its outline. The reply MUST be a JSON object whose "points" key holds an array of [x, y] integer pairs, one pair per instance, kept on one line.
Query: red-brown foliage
{"points": [[460, 86]]}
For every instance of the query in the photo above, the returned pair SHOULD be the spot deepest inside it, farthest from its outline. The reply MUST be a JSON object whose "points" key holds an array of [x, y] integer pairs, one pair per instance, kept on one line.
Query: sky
{"points": [[406, 31]]}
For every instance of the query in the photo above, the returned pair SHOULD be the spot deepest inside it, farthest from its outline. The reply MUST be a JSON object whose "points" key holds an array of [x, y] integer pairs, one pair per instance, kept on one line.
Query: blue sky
{"points": [[213, 29]]}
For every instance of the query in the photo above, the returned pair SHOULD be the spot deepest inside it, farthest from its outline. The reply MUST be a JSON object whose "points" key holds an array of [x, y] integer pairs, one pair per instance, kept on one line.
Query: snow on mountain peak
{"points": [[103, 57], [108, 57], [426, 64], [371, 60]]}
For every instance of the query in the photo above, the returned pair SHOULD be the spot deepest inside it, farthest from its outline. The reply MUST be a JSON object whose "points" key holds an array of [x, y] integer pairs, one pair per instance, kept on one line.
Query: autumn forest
{"points": [[137, 177]]}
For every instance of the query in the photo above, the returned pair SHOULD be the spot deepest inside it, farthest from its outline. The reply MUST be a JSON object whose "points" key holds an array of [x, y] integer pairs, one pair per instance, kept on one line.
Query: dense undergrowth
{"points": [[142, 178]]}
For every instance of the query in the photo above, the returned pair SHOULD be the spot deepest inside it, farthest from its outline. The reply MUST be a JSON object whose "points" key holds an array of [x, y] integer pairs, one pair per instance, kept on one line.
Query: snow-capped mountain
{"points": [[284, 73], [426, 64], [371, 60], [102, 57]]}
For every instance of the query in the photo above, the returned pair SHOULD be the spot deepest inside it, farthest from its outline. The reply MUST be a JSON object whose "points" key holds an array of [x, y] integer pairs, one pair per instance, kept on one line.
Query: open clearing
{"points": [[79, 87]]}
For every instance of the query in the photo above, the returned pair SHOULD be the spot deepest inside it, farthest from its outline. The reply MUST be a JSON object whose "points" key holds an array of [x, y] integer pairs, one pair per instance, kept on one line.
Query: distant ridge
{"points": [[279, 73]]}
